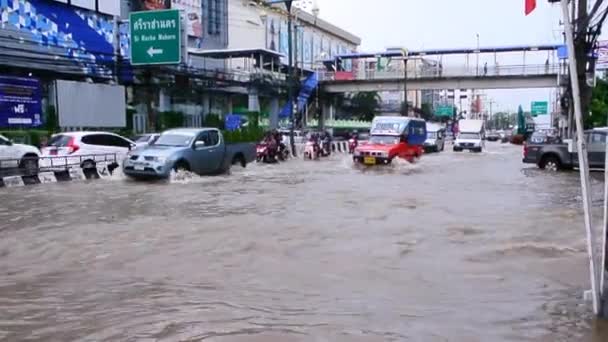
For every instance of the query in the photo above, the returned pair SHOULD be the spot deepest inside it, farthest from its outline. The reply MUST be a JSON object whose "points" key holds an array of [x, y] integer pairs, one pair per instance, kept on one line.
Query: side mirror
{"points": [[132, 146], [199, 144]]}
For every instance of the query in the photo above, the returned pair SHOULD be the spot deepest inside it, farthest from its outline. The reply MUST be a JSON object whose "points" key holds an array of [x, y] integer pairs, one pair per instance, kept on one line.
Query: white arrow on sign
{"points": [[152, 51]]}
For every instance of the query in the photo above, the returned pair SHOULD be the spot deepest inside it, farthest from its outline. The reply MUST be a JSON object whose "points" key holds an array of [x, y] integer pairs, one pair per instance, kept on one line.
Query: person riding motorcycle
{"points": [[281, 147], [353, 142], [326, 144]]}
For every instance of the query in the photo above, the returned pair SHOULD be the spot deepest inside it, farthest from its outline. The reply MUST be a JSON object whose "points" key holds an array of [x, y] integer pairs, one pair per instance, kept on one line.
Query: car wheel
{"points": [[238, 159], [181, 166], [29, 164], [550, 163], [457, 149], [88, 164]]}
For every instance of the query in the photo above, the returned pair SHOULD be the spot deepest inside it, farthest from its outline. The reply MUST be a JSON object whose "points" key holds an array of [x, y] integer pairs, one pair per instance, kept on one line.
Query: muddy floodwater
{"points": [[459, 247]]}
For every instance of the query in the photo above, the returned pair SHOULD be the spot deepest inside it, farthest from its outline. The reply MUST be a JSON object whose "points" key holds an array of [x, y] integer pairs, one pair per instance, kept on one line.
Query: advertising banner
{"points": [[193, 10], [602, 55], [20, 102]]}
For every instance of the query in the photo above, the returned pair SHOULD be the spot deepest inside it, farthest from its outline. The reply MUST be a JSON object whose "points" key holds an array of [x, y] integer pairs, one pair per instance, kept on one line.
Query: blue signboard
{"points": [[232, 122], [20, 102]]}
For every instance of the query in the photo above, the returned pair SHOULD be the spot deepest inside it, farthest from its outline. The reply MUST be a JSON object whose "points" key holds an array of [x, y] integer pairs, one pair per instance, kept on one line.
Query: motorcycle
{"points": [[326, 148], [266, 152], [311, 150], [284, 153], [352, 145]]}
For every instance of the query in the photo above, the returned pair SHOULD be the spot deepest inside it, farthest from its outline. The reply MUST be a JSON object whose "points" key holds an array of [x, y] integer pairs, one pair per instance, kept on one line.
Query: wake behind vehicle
{"points": [[200, 150], [392, 137]]}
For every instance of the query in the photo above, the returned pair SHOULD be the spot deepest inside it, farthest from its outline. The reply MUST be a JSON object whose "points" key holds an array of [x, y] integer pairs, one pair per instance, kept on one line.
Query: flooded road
{"points": [[459, 247]]}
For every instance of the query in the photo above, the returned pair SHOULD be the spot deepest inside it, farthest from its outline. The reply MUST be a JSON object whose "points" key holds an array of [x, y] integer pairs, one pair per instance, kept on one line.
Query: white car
{"points": [[469, 141], [18, 155], [146, 139], [86, 149]]}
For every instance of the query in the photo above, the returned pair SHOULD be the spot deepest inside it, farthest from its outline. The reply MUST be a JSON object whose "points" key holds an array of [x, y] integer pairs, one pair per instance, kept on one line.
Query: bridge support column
{"points": [[253, 103], [274, 112], [164, 101], [328, 113], [205, 102]]}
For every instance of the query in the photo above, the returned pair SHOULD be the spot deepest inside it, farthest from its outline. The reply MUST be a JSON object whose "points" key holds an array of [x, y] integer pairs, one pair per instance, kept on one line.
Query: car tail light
{"points": [[525, 149], [72, 146]]}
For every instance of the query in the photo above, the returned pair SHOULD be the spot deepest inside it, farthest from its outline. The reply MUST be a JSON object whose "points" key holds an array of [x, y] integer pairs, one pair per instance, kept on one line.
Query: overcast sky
{"points": [[421, 24]]}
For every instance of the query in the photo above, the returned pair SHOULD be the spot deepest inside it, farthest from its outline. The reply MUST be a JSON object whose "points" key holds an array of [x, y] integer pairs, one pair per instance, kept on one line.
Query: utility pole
{"points": [[405, 104], [288, 5]]}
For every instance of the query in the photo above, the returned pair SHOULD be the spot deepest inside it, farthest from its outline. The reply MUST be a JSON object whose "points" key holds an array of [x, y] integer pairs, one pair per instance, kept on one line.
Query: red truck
{"points": [[392, 137]]}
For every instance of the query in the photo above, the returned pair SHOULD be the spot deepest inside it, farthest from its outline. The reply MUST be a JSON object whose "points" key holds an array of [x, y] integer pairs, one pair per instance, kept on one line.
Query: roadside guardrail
{"points": [[50, 169]]}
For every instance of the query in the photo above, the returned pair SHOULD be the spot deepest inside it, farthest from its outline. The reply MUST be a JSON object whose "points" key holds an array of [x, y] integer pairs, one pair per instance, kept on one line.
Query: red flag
{"points": [[530, 6]]}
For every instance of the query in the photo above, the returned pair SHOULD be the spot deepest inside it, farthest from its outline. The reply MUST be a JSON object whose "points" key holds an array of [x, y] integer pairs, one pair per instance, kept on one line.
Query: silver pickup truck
{"points": [[563, 156], [200, 150]]}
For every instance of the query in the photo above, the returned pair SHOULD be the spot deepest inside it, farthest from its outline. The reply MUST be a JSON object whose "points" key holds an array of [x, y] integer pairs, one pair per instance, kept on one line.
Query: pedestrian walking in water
{"points": [[485, 69]]}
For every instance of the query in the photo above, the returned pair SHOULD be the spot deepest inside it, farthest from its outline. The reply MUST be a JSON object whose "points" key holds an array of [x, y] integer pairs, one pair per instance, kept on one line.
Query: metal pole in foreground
{"points": [[405, 104], [290, 79], [582, 155]]}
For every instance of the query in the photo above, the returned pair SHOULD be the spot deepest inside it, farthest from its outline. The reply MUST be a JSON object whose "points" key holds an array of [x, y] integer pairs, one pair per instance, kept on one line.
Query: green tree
{"points": [[599, 105], [364, 105]]}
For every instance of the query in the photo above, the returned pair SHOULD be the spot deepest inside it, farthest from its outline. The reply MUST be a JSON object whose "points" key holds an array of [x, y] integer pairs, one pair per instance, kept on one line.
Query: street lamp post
{"points": [[477, 55]]}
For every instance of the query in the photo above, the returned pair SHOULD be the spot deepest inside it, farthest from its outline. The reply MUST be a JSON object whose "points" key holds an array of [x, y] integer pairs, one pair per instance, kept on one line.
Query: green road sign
{"points": [[539, 108], [155, 37], [444, 111]]}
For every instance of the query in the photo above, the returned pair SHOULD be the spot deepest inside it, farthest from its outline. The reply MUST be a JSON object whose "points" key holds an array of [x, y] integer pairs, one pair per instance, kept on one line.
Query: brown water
{"points": [[460, 247]]}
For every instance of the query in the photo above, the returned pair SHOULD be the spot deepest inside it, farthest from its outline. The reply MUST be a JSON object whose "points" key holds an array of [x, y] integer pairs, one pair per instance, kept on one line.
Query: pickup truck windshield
{"points": [[172, 139], [471, 136], [384, 139]]}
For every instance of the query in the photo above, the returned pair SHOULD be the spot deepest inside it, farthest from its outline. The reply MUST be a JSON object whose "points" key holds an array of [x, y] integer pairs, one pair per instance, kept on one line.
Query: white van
{"points": [[470, 136], [435, 137]]}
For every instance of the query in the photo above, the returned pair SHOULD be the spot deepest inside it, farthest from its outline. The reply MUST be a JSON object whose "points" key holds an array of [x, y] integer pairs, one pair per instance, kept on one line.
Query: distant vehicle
{"points": [[299, 137], [435, 137], [24, 157], [563, 156], [470, 136], [541, 137], [145, 139], [87, 148], [493, 136], [392, 137], [200, 150]]}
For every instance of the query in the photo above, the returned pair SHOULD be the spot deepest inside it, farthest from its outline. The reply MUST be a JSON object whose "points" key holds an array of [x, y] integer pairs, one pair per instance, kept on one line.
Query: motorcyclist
{"points": [[353, 142], [278, 137], [326, 143]]}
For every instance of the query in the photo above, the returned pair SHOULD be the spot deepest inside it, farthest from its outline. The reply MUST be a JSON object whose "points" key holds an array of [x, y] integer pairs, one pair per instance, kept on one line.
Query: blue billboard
{"points": [[20, 102]]}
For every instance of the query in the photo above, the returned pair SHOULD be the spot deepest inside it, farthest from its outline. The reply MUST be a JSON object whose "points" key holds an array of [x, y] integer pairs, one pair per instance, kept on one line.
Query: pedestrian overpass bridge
{"points": [[425, 70]]}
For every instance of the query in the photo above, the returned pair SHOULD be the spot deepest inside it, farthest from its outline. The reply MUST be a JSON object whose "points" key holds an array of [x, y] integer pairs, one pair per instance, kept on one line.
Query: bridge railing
{"points": [[437, 73]]}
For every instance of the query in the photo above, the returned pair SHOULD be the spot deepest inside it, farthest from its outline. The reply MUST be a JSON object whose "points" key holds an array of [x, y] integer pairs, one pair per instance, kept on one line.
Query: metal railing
{"points": [[30, 166], [445, 72]]}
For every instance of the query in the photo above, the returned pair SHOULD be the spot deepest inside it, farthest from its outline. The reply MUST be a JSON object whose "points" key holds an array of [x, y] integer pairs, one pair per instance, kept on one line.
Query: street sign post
{"points": [[444, 111], [155, 37], [539, 108]]}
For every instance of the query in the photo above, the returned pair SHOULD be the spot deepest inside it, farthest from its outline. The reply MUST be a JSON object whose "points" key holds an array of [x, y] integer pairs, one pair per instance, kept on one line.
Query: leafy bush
{"points": [[170, 119], [30, 137], [249, 134], [214, 121]]}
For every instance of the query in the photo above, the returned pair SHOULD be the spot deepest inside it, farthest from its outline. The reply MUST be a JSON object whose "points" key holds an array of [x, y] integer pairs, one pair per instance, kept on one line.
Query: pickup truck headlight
{"points": [[160, 160]]}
